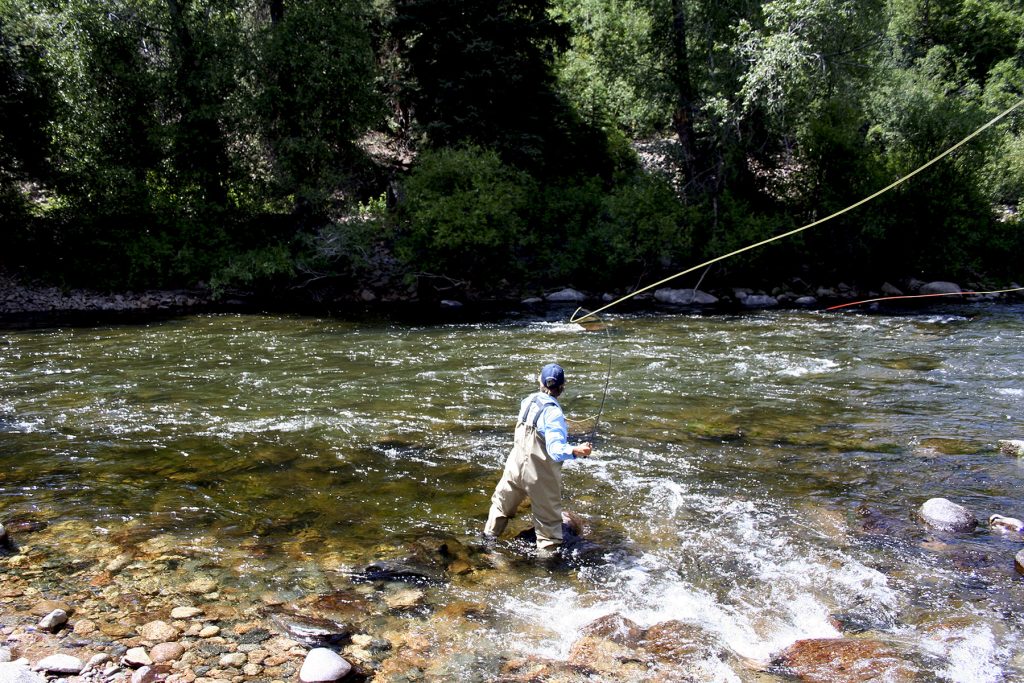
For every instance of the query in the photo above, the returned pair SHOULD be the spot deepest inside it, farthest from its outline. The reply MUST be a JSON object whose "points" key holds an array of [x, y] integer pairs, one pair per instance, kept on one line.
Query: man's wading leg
{"points": [[504, 503]]}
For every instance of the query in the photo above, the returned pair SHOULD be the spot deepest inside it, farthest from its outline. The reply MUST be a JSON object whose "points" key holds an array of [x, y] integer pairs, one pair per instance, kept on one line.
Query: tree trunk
{"points": [[682, 118]]}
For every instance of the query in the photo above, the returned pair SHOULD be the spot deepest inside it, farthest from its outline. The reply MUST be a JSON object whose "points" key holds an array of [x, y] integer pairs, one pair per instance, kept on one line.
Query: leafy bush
{"points": [[464, 215]]}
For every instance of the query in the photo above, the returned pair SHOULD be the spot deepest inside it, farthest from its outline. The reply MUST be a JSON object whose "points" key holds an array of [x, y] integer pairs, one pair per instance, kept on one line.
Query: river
{"points": [[736, 461]]}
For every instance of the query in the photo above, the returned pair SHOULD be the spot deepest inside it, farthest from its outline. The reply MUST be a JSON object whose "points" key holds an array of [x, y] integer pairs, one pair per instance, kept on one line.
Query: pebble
{"points": [[185, 612], [96, 661], [54, 620], [201, 586], [85, 627], [407, 598], [60, 664], [209, 632], [322, 666]]}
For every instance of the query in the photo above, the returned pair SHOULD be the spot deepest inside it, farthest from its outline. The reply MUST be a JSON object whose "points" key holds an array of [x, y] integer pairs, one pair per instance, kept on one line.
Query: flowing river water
{"points": [[754, 475]]}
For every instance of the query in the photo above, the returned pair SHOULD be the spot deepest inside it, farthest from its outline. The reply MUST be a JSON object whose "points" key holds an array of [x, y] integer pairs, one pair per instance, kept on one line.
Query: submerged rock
{"points": [[1006, 524], [313, 632], [322, 666], [845, 660], [394, 570], [945, 515]]}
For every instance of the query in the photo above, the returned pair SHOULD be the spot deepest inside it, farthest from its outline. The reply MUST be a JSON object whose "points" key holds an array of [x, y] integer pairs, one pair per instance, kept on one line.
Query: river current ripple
{"points": [[735, 464]]}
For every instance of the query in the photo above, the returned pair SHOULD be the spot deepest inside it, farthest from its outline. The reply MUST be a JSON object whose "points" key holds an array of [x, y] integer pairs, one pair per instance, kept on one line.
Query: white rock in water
{"points": [[3, 534], [806, 301], [946, 515], [941, 288], [568, 294], [1006, 523], [684, 297], [136, 657], [322, 666], [60, 664], [18, 672], [54, 620], [1012, 446]]}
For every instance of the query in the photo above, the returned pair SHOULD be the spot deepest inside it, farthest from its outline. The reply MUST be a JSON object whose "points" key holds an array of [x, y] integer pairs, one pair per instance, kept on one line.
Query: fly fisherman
{"points": [[534, 466]]}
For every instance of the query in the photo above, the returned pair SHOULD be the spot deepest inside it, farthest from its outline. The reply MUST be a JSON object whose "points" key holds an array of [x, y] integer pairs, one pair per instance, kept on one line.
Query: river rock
{"points": [[760, 301], [891, 290], [567, 295], [201, 586], [158, 631], [1012, 447], [233, 659], [616, 628], [946, 515], [166, 652], [806, 301], [60, 664], [5, 654], [136, 657], [845, 660], [323, 665], [684, 297], [312, 631], [18, 672], [53, 621], [939, 287], [3, 534], [405, 599], [185, 612], [1018, 562], [96, 660], [45, 607]]}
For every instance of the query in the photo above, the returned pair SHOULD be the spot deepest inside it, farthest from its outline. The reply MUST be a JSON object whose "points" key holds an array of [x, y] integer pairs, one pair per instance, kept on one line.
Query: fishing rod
{"points": [[921, 296]]}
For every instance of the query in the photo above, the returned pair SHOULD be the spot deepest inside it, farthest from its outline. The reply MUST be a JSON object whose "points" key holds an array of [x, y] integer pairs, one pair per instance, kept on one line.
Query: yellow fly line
{"points": [[851, 207]]}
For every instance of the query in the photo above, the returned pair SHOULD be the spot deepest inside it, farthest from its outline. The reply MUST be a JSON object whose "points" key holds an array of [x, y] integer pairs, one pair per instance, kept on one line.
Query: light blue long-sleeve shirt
{"points": [[551, 425]]}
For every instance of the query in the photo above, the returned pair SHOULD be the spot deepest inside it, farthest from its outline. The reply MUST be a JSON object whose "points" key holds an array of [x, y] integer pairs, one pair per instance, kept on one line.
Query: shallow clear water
{"points": [[733, 455]]}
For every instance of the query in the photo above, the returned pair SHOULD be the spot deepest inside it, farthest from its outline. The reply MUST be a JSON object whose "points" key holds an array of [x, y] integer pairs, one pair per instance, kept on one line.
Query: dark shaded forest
{"points": [[315, 147]]}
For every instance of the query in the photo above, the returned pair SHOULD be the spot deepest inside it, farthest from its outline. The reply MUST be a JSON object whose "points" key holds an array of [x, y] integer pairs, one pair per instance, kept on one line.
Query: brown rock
{"points": [[675, 641], [616, 628], [845, 660], [1018, 562], [158, 632], [166, 652], [44, 607]]}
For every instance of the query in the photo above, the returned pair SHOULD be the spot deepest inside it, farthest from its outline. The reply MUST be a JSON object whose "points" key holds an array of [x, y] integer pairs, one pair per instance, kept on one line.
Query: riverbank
{"points": [[31, 303]]}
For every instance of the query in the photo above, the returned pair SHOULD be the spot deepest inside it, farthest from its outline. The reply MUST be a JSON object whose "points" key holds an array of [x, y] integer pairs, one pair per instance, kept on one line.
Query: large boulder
{"points": [[845, 660], [684, 297], [945, 515]]}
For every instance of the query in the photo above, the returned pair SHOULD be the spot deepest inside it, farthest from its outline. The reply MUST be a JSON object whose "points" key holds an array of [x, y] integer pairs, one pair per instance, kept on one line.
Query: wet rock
{"points": [[676, 641], [136, 657], [24, 526], [233, 659], [1006, 524], [5, 654], [45, 607], [253, 636], [845, 660], [1012, 447], [322, 665], [312, 631], [166, 652], [684, 297], [607, 660], [616, 628], [406, 599], [392, 570], [85, 627], [760, 301], [3, 535], [939, 287], [209, 631], [567, 295], [891, 290], [18, 672], [806, 301], [96, 661], [53, 621], [185, 612], [201, 586], [1018, 562], [945, 515], [60, 664], [159, 632]]}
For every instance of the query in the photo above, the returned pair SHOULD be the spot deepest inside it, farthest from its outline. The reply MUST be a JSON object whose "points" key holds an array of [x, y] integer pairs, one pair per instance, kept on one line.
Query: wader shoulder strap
{"points": [[540, 404]]}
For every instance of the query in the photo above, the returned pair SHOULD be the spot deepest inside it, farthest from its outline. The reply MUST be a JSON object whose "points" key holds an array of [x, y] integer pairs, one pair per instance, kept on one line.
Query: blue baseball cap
{"points": [[552, 375]]}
